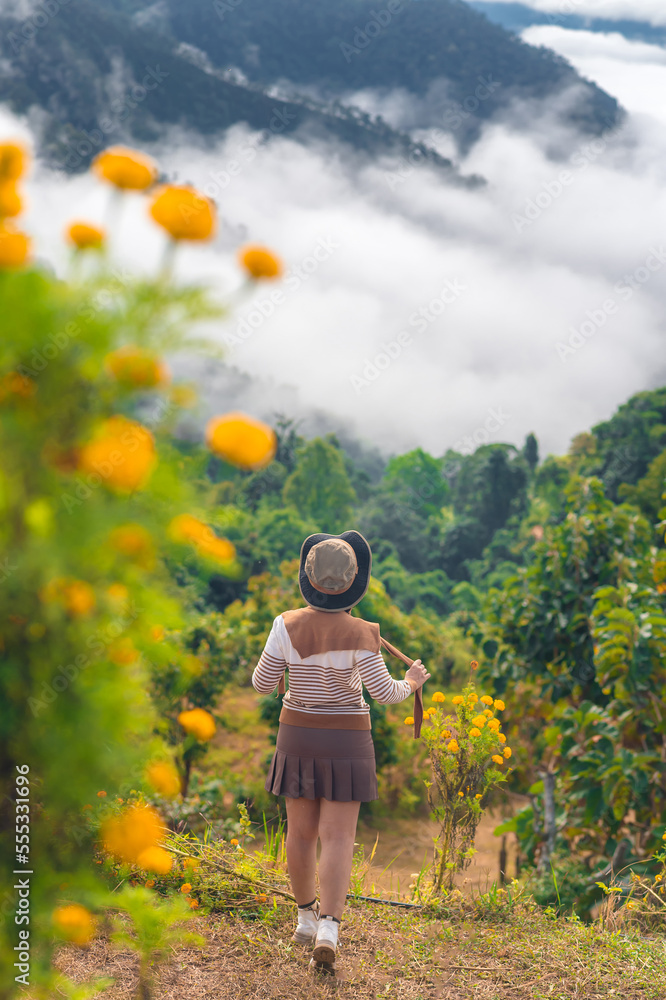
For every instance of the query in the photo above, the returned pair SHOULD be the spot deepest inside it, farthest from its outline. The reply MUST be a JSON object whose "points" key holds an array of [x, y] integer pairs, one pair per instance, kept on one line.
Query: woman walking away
{"points": [[324, 761]]}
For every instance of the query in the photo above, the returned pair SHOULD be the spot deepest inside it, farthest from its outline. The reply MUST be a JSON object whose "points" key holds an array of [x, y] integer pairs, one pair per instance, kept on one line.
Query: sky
{"points": [[413, 311], [650, 11]]}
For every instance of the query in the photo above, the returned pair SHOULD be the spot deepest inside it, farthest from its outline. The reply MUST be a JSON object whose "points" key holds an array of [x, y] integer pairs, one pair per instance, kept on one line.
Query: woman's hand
{"points": [[417, 673]]}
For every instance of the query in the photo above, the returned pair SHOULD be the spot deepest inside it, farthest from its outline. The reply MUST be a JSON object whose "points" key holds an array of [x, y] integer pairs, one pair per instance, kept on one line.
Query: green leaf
{"points": [[510, 826]]}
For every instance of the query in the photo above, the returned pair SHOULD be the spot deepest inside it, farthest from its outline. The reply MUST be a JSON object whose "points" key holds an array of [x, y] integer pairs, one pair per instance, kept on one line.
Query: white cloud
{"points": [[633, 72], [498, 294], [650, 11]]}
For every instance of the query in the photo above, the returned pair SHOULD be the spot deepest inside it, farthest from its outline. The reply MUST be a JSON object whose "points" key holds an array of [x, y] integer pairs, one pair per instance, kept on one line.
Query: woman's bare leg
{"points": [[302, 828], [337, 829]]}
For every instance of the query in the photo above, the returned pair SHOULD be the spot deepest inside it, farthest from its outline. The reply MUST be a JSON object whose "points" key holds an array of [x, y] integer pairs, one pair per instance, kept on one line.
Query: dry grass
{"points": [[390, 953]]}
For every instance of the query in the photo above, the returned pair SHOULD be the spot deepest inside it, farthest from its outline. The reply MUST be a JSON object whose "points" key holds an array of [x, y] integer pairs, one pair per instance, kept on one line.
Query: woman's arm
{"points": [[271, 665], [374, 674]]}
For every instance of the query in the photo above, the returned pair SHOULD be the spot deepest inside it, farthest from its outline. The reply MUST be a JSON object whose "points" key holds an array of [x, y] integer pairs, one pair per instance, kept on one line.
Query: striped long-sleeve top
{"points": [[326, 681]]}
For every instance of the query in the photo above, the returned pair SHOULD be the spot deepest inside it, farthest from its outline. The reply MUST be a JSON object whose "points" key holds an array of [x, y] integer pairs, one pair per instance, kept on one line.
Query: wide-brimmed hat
{"points": [[334, 572]]}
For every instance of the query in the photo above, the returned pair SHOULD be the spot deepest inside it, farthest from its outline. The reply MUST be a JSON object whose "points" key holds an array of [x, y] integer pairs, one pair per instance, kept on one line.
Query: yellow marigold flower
{"points": [[473, 698], [233, 841], [164, 778], [452, 747], [134, 542], [261, 897], [461, 795], [14, 248], [494, 725], [185, 888], [474, 664], [663, 836], [457, 699], [14, 159], [241, 440], [259, 262], [631, 905], [136, 368], [86, 237], [488, 714], [198, 723], [125, 168], [438, 696], [497, 759], [501, 737], [132, 832], [185, 527], [486, 699], [10, 199], [661, 588], [477, 797], [409, 720], [499, 704], [155, 859], [76, 596], [74, 923], [445, 734], [121, 453], [122, 651], [475, 732], [185, 213], [479, 721], [194, 904], [507, 752]]}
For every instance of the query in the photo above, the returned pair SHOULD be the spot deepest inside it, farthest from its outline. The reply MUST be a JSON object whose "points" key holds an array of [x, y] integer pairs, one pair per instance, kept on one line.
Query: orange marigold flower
{"points": [[85, 237], [185, 888], [472, 698], [164, 778], [452, 747], [198, 723], [486, 699], [409, 720], [475, 732], [76, 596], [10, 199], [121, 452], [261, 897], [157, 632], [501, 737], [191, 863], [185, 213], [233, 841], [259, 262], [123, 651], [132, 832], [479, 721], [438, 696], [117, 593], [507, 752], [194, 904], [101, 795], [14, 158], [499, 704], [488, 714], [135, 367], [135, 542], [185, 527], [474, 664], [14, 248], [125, 168], [661, 588], [497, 759], [74, 923], [445, 734], [457, 699], [477, 797], [493, 725], [241, 440], [155, 859], [14, 384], [150, 883]]}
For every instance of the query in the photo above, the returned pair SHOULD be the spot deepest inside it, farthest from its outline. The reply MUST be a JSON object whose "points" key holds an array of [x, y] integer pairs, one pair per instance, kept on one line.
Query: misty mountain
{"points": [[439, 51], [517, 16], [92, 74]]}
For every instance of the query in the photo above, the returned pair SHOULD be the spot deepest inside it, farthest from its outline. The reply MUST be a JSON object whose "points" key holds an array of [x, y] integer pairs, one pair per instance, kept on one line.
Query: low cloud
{"points": [[650, 11]]}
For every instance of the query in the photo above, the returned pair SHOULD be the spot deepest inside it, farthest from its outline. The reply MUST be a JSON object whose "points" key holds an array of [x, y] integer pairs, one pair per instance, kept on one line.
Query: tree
{"points": [[491, 486], [649, 493], [319, 487], [531, 451], [416, 479]]}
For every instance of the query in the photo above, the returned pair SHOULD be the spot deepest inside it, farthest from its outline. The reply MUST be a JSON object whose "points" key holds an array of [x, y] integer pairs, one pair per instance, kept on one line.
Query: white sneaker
{"points": [[308, 924], [327, 940]]}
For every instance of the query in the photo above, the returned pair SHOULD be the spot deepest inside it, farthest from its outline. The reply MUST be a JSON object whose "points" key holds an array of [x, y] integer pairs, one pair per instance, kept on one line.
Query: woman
{"points": [[324, 761]]}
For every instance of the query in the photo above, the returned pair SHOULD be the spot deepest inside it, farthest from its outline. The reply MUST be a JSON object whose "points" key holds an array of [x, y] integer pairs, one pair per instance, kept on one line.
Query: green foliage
{"points": [[319, 486]]}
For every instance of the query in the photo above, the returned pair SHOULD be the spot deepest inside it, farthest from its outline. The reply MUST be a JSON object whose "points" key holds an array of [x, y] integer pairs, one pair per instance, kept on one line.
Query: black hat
{"points": [[334, 572]]}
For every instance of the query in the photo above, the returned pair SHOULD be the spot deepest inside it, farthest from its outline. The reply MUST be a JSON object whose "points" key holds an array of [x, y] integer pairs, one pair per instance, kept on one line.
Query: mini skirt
{"points": [[334, 764]]}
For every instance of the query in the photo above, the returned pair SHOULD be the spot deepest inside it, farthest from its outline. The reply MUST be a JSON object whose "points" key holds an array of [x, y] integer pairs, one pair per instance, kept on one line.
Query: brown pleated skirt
{"points": [[334, 764]]}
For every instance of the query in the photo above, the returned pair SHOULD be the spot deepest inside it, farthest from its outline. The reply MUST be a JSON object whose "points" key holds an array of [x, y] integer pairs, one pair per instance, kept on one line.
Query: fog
{"points": [[414, 311]]}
